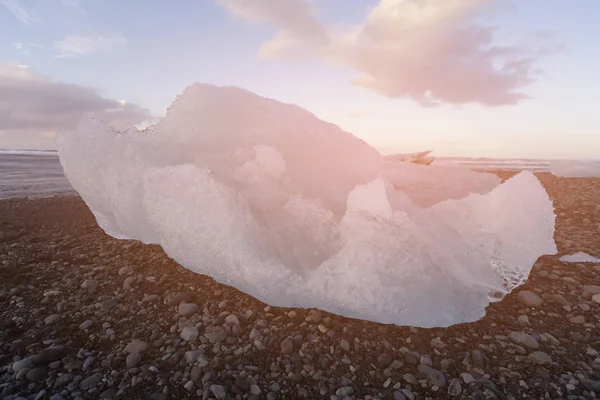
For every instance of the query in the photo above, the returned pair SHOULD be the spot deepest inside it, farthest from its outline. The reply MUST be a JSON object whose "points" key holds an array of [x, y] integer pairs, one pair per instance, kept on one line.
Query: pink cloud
{"points": [[428, 50]]}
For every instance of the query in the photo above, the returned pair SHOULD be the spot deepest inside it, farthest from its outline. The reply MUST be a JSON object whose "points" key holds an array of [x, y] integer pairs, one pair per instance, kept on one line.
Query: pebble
{"points": [[37, 374], [578, 320], [136, 346], [530, 299], [455, 388], [133, 360], [541, 358], [524, 339], [24, 363], [434, 377], [189, 333], [218, 391], [90, 382], [187, 309], [52, 319], [86, 324], [214, 334], [287, 346]]}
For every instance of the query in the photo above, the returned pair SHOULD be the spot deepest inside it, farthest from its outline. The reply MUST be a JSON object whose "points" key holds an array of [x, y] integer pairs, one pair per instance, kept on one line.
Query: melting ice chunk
{"points": [[580, 257], [267, 198]]}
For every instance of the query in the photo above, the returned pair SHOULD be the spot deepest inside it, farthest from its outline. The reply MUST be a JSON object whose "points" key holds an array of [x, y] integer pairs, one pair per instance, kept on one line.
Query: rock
{"points": [[433, 376], [51, 354], [541, 358], [254, 334], [578, 320], [187, 309], [596, 298], [287, 346], [192, 355], [255, 390], [523, 339], [108, 304], [89, 284], [384, 360], [52, 319], [215, 334], [133, 360], [86, 324], [530, 299], [524, 320], [399, 396], [218, 391], [24, 363], [90, 382], [592, 385], [107, 394], [345, 345], [189, 333], [591, 289], [232, 320], [187, 297], [136, 346], [455, 388], [64, 379], [467, 378], [128, 282], [125, 271], [345, 391], [36, 374]]}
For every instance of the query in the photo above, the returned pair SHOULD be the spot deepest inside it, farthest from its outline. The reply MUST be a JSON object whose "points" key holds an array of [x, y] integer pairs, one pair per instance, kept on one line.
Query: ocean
{"points": [[34, 173]]}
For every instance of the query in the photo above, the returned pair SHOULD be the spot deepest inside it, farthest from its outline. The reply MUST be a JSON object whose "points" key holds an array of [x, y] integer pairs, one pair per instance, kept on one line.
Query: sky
{"points": [[476, 78]]}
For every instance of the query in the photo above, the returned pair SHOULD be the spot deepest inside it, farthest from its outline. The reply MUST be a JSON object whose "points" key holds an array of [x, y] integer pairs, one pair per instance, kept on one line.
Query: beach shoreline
{"points": [[59, 271]]}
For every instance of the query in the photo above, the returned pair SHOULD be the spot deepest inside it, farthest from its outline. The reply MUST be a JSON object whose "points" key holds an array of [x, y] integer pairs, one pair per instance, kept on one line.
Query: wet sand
{"points": [[112, 311]]}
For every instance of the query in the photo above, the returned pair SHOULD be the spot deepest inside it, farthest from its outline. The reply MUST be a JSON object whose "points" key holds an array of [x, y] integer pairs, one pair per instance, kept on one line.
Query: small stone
{"points": [[345, 345], [231, 320], [89, 284], [125, 271], [137, 346], [287, 346], [345, 391], [215, 334], [52, 319], [187, 297], [218, 391], [109, 304], [523, 339], [322, 328], [192, 355], [254, 334], [90, 382], [51, 354], [530, 299], [467, 378], [24, 363], [36, 374], [187, 309], [399, 396], [523, 320], [133, 360], [455, 388], [578, 320], [189, 333], [591, 289], [86, 324], [541, 358], [255, 390], [434, 377], [596, 298]]}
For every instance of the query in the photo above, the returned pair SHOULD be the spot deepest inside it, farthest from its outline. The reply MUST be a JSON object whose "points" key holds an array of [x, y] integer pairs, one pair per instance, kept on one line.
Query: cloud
{"points": [[79, 45], [34, 106], [18, 11], [431, 51]]}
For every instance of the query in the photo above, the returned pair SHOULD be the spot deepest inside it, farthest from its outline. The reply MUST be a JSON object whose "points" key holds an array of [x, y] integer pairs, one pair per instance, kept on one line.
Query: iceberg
{"points": [[575, 169], [267, 198]]}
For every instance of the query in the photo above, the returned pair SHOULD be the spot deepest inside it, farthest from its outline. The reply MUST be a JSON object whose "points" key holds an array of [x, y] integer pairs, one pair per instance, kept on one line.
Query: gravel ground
{"points": [[85, 316]]}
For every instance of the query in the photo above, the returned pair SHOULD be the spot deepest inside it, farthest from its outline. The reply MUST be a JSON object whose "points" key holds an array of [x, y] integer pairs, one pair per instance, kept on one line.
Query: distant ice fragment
{"points": [[265, 197], [575, 169], [580, 257]]}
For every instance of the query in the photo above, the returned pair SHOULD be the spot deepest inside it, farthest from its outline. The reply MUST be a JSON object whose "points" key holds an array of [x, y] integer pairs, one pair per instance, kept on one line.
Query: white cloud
{"points": [[18, 11], [21, 48], [431, 51], [79, 45]]}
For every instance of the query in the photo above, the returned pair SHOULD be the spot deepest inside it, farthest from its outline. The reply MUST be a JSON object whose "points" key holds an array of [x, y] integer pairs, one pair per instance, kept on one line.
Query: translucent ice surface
{"points": [[265, 197], [580, 257], [575, 169]]}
